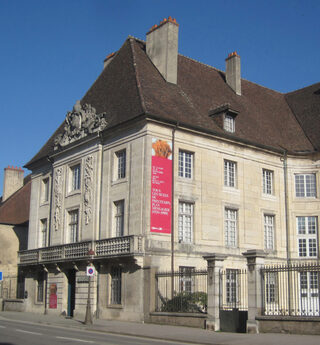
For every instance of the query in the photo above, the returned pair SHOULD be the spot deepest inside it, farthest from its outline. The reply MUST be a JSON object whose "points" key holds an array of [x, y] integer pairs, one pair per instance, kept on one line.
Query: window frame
{"points": [[186, 279], [116, 285], [73, 226], [185, 164], [185, 222], [269, 231], [229, 123], [45, 187], [230, 173], [75, 178], [267, 182], [40, 291], [301, 187], [118, 227], [307, 236], [230, 227], [120, 164], [44, 233]]}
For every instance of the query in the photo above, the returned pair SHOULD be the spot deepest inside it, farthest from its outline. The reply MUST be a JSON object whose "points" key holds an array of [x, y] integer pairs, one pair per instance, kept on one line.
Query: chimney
{"points": [[233, 73], [13, 180], [162, 48]]}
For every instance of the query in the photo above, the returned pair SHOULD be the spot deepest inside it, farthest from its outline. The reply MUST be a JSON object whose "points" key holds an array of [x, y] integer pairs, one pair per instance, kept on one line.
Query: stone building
{"points": [[14, 218], [166, 160]]}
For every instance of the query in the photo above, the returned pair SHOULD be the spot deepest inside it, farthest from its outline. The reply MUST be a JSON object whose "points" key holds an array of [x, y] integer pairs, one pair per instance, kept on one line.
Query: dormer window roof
{"points": [[225, 117]]}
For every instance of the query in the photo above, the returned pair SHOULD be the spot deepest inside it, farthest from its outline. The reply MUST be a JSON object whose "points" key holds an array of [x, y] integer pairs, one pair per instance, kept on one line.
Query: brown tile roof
{"points": [[305, 104], [131, 86], [15, 209]]}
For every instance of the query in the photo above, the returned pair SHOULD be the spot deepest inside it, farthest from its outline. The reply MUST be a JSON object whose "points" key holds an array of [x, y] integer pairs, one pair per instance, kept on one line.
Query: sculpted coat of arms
{"points": [[80, 122]]}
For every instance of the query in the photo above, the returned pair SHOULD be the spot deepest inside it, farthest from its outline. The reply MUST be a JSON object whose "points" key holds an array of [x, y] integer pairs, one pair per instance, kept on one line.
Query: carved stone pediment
{"points": [[80, 122]]}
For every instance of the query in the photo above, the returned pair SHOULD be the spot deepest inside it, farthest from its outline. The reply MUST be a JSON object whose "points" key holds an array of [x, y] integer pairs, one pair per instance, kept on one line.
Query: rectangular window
{"points": [[119, 218], [305, 185], [45, 190], [271, 287], [268, 232], [121, 164], [230, 171], [230, 227], [185, 164], [186, 279], [229, 123], [40, 288], [307, 229], [185, 226], [75, 177], [267, 176], [231, 286], [116, 273], [44, 232], [73, 226]]}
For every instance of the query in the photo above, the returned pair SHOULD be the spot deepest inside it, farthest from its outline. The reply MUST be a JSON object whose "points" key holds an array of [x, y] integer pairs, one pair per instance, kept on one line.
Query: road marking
{"points": [[3, 327], [76, 339], [23, 331]]}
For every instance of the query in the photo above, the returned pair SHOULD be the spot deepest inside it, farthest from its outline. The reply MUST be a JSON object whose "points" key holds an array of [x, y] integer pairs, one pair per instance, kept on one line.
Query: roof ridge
{"points": [[302, 88], [136, 74], [219, 70]]}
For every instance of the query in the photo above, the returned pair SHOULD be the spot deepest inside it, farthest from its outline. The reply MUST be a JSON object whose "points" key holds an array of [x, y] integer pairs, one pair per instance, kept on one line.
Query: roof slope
{"points": [[305, 104], [131, 85], [15, 209]]}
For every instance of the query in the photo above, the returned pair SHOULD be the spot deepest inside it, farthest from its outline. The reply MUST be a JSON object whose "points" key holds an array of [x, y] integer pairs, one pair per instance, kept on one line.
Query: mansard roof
{"points": [[130, 86], [15, 209]]}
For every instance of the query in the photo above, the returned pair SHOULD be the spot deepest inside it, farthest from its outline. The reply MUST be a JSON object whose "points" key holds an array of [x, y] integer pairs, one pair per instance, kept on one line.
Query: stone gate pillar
{"points": [[215, 264], [255, 261]]}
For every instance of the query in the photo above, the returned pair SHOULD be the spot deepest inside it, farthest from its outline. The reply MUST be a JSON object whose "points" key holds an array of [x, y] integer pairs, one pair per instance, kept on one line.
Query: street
{"points": [[18, 333]]}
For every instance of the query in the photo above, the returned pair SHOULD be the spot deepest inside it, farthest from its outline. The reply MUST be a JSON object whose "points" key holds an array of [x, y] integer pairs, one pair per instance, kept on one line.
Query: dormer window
{"points": [[225, 117], [229, 123]]}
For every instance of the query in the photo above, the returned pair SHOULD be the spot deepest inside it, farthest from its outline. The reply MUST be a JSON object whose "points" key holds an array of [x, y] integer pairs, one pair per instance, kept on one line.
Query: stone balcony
{"points": [[110, 247]]}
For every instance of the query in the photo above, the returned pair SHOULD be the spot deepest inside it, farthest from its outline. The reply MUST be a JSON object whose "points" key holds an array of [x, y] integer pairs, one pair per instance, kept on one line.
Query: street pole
{"points": [[88, 319]]}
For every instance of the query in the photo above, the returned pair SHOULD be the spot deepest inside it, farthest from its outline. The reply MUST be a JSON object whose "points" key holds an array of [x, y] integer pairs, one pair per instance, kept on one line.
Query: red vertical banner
{"points": [[161, 186]]}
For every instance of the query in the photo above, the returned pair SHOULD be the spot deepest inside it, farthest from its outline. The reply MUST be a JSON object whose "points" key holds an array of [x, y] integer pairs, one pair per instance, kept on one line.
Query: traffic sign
{"points": [[90, 271], [1, 278]]}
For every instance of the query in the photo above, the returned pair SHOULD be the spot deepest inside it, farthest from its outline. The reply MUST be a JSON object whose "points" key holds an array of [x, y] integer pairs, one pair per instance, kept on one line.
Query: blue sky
{"points": [[52, 52]]}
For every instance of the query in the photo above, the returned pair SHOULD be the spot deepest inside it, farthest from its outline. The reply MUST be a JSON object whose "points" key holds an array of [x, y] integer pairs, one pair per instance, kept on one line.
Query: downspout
{"points": [[172, 210], [100, 205], [285, 177], [49, 236]]}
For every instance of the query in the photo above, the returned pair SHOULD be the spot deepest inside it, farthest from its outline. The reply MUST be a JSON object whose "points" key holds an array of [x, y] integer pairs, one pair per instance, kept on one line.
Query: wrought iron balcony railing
{"points": [[116, 246]]}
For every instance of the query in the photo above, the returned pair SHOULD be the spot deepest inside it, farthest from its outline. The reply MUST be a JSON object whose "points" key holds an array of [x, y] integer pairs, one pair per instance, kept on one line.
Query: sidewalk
{"points": [[174, 333]]}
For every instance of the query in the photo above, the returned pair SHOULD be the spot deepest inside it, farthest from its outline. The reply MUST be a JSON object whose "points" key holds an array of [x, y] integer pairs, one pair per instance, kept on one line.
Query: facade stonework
{"points": [[233, 193]]}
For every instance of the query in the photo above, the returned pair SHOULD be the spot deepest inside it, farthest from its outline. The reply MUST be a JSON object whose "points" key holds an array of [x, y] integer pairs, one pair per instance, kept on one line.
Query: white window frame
{"points": [[75, 177], [120, 164], [185, 222], [43, 233], [118, 218], [230, 227], [269, 231], [267, 181], [186, 279], [185, 166], [73, 226], [229, 123], [230, 173], [306, 185], [307, 236]]}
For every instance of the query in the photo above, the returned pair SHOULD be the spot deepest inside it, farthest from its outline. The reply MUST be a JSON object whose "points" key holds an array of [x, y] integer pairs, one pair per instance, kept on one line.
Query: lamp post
{"points": [[88, 318]]}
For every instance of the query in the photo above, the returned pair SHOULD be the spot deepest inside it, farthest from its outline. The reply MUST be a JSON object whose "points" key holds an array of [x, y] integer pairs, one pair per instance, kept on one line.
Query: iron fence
{"points": [[291, 290], [183, 291], [233, 289]]}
